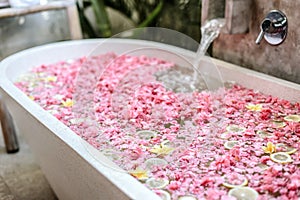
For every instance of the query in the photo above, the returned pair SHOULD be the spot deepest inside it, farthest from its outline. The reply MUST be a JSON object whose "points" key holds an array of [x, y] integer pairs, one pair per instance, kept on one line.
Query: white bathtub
{"points": [[63, 156]]}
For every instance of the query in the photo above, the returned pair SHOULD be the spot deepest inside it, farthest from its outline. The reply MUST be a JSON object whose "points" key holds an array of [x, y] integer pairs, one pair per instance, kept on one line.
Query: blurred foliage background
{"points": [[105, 18]]}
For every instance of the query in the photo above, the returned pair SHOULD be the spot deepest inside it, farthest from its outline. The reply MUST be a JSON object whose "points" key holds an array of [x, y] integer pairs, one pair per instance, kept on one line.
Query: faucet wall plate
{"points": [[273, 28]]}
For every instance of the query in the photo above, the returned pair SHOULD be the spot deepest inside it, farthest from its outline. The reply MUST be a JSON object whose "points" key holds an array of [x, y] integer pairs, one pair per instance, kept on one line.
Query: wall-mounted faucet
{"points": [[273, 28]]}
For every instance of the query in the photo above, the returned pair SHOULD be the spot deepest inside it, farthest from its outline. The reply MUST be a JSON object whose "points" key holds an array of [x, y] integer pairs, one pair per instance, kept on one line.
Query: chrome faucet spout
{"points": [[273, 28]]}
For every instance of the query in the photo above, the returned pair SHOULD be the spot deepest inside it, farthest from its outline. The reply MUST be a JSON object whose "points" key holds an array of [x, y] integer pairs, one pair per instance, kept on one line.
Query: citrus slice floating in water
{"points": [[235, 128], [155, 162], [230, 144], [157, 183], [111, 154], [264, 134], [165, 143], [285, 148], [281, 157], [187, 198], [243, 193], [292, 118], [262, 166], [229, 185], [146, 134], [225, 135], [279, 124]]}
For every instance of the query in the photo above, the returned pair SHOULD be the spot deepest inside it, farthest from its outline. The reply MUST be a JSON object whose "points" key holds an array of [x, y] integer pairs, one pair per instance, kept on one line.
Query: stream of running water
{"points": [[209, 32]]}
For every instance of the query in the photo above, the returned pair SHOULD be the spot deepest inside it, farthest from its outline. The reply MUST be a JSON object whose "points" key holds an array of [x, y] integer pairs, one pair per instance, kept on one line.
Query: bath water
{"points": [[182, 79], [197, 74], [213, 81]]}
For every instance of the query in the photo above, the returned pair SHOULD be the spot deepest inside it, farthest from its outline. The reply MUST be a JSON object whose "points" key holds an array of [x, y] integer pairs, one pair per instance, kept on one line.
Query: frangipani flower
{"points": [[254, 107], [270, 148], [31, 97], [68, 103], [139, 173], [161, 149], [51, 78]]}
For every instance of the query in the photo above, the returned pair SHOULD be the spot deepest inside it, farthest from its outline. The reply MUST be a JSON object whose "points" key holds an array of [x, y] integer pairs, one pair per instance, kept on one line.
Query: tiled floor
{"points": [[20, 176]]}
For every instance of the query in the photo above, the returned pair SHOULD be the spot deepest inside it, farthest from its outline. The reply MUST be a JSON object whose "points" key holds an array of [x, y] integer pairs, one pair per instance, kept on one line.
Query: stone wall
{"points": [[282, 61]]}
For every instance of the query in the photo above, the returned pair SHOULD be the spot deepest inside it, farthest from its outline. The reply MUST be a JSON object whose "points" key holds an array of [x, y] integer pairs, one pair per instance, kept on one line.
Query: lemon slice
{"points": [[242, 193], [292, 118], [285, 148], [168, 125], [281, 157], [279, 124], [166, 143], [77, 120], [111, 154], [146, 134], [163, 194], [235, 128], [225, 135], [157, 183], [230, 144], [231, 185], [187, 198], [155, 162], [263, 166], [264, 134]]}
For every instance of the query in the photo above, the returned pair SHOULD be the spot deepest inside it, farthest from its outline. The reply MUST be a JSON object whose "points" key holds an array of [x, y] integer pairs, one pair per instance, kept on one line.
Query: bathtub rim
{"points": [[35, 110]]}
